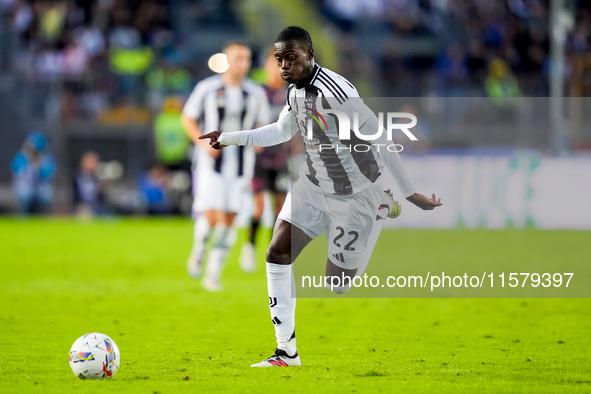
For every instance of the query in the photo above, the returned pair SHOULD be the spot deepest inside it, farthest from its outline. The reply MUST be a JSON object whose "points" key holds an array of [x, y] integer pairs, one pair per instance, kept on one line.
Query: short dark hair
{"points": [[294, 33]]}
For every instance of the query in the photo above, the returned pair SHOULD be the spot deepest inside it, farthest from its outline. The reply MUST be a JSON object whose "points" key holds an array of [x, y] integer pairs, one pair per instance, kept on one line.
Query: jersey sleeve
{"points": [[194, 105], [276, 133], [287, 122], [393, 163]]}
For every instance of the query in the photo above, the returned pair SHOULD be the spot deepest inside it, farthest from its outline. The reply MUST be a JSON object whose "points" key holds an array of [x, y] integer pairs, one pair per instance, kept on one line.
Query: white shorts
{"points": [[214, 192], [221, 190], [349, 221]]}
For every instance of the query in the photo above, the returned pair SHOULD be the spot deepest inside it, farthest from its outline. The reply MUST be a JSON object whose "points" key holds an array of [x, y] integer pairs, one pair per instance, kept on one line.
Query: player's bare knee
{"points": [[278, 254], [280, 248]]}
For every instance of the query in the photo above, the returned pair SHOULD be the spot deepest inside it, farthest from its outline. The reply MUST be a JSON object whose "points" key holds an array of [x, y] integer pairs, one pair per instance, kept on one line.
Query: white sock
{"points": [[201, 233], [282, 305], [223, 238]]}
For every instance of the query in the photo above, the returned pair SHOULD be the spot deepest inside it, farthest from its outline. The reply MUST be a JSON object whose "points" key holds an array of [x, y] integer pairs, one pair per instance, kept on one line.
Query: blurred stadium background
{"points": [[106, 76], [500, 90]]}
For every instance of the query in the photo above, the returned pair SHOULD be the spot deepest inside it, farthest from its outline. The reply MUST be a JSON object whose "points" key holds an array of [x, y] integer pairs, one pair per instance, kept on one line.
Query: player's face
{"points": [[239, 60], [295, 61]]}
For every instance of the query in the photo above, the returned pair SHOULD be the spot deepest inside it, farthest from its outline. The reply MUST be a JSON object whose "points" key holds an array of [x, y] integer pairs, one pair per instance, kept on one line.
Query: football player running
{"points": [[339, 190]]}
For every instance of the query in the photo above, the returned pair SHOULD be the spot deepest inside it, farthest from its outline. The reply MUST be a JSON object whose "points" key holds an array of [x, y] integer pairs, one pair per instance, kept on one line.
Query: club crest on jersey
{"points": [[313, 143]]}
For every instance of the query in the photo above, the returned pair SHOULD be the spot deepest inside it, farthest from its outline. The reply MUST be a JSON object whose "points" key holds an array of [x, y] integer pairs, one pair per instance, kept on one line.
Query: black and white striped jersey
{"points": [[220, 107], [339, 167], [342, 137]]}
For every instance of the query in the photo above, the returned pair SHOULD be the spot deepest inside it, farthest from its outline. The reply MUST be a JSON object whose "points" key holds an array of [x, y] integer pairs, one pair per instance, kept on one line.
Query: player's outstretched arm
{"points": [[424, 202], [269, 135], [263, 136]]}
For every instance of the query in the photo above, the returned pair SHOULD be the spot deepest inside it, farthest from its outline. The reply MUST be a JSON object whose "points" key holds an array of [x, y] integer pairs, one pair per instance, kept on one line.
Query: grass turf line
{"points": [[126, 278]]}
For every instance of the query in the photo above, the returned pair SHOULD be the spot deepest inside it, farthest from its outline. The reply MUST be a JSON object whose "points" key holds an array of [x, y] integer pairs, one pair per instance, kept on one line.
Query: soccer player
{"points": [[226, 102], [339, 191]]}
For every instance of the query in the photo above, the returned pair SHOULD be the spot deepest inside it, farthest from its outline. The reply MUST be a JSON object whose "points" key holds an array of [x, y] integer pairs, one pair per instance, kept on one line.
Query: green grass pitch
{"points": [[126, 278]]}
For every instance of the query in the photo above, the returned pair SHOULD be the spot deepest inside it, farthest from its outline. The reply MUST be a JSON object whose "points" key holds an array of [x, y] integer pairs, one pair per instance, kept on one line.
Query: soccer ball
{"points": [[94, 356], [389, 208]]}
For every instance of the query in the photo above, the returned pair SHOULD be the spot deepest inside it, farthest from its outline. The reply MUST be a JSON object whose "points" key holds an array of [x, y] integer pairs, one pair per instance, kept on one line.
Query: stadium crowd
{"points": [[98, 52], [107, 53], [458, 44]]}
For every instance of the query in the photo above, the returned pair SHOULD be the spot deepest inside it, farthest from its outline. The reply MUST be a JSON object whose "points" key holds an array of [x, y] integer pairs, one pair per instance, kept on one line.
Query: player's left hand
{"points": [[424, 202], [213, 139]]}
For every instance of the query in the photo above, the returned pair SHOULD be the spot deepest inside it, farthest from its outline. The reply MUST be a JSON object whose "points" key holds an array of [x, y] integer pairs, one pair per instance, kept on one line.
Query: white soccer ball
{"points": [[389, 208], [94, 356]]}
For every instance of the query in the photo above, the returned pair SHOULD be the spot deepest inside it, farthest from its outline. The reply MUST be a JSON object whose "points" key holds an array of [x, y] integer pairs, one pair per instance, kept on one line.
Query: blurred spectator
{"points": [[167, 79], [392, 67], [153, 189], [343, 13], [52, 20], [87, 189], [501, 84], [129, 59], [172, 142], [91, 39], [477, 63], [32, 168], [452, 70]]}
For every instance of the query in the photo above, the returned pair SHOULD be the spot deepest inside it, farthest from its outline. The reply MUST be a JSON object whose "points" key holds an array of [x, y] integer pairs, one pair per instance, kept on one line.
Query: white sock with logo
{"points": [[282, 305]]}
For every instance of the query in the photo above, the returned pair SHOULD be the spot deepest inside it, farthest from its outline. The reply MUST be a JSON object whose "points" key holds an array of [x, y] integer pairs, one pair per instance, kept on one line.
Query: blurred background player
{"points": [[154, 190], [33, 168], [271, 173], [226, 102], [501, 85], [173, 150], [87, 188], [171, 141]]}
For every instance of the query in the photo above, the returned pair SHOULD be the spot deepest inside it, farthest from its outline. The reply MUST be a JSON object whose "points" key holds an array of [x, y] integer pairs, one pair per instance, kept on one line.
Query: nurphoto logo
{"points": [[344, 128]]}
